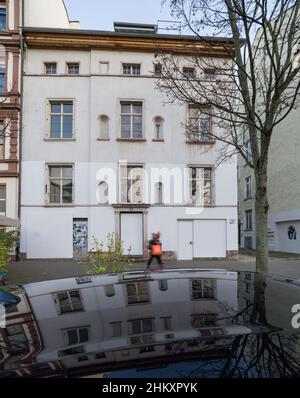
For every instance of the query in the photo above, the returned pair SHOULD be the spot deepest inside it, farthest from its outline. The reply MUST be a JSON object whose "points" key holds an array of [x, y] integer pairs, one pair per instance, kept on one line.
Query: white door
{"points": [[185, 240], [209, 238], [132, 233]]}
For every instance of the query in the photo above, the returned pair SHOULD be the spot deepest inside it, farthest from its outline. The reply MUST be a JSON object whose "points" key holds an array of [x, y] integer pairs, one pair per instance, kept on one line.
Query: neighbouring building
{"points": [[101, 147], [10, 87]]}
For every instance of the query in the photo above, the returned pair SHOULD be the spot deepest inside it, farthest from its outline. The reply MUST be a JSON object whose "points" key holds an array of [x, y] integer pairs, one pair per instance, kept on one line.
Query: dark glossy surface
{"points": [[175, 323]]}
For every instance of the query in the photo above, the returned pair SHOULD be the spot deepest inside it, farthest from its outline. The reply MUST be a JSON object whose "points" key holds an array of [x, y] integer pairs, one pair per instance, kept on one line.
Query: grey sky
{"points": [[100, 14]]}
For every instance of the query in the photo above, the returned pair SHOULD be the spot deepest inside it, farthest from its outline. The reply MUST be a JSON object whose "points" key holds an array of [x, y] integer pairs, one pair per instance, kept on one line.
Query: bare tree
{"points": [[247, 91]]}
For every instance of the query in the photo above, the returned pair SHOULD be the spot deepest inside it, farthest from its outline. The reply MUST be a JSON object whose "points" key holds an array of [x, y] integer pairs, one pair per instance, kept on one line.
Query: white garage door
{"points": [[201, 239], [289, 236], [132, 233]]}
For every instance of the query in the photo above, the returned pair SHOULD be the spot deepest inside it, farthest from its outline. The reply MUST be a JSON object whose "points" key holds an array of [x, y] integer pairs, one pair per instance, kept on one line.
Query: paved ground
{"points": [[38, 270]]}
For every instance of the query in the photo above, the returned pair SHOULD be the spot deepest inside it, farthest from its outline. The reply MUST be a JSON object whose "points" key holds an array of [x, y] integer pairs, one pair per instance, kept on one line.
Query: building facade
{"points": [[104, 153], [10, 100]]}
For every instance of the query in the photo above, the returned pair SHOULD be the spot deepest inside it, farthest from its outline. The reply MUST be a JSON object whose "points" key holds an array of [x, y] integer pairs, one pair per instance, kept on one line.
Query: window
{"points": [[203, 288], [61, 120], [2, 78], [2, 18], [188, 73], [159, 193], [131, 181], [247, 287], [104, 127], [141, 330], [200, 185], [109, 290], [166, 322], [163, 285], [248, 220], [137, 293], [199, 320], [68, 301], [209, 74], [131, 120], [158, 128], [248, 187], [17, 339], [2, 140], [73, 69], [200, 124], [76, 335], [116, 329], [104, 68], [132, 69], [50, 68], [61, 184], [2, 200], [157, 70], [247, 147]]}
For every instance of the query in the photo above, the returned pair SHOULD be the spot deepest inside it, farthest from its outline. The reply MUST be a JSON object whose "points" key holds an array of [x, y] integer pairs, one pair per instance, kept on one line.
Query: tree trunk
{"points": [[261, 220]]}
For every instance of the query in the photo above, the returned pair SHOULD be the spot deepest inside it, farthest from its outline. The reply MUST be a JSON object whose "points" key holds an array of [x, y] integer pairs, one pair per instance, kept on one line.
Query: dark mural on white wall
{"points": [[292, 233]]}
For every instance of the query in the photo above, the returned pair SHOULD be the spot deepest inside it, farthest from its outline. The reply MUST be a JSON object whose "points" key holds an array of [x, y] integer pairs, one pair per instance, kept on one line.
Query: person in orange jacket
{"points": [[155, 248]]}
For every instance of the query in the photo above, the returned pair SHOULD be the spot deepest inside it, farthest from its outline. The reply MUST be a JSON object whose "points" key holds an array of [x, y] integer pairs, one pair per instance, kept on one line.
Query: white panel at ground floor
{"points": [[48, 232]]}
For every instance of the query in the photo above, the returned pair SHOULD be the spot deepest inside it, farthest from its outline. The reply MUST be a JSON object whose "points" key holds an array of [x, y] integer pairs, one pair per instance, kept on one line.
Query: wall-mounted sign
{"points": [[292, 233]]}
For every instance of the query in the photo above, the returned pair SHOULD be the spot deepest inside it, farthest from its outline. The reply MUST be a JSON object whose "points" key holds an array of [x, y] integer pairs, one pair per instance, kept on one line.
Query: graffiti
{"points": [[292, 233], [80, 236]]}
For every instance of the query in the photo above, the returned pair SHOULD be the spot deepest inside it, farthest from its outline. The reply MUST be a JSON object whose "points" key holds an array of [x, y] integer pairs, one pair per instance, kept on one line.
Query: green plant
{"points": [[7, 240], [108, 257]]}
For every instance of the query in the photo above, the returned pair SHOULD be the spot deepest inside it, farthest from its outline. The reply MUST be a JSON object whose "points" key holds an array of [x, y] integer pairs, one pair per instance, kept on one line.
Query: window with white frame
{"points": [[248, 187], [60, 184], [2, 200], [132, 69], [189, 73], [2, 77], [158, 128], [203, 288], [248, 219], [158, 70], [137, 292], [73, 68], [61, 120], [209, 74], [131, 119], [75, 336], [200, 186], [131, 183], [200, 124], [140, 331], [50, 68], [68, 301], [2, 17]]}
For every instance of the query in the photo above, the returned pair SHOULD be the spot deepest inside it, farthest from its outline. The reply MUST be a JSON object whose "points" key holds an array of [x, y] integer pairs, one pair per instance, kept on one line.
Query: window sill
{"points": [[250, 197], [131, 139], [156, 140], [59, 139], [200, 142], [103, 139], [59, 205]]}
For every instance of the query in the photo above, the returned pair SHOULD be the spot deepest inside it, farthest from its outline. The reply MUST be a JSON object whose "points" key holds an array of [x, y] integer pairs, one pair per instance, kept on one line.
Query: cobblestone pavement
{"points": [[39, 270]]}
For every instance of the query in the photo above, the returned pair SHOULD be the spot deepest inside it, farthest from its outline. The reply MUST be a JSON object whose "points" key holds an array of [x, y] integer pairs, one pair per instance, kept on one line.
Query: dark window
{"points": [[2, 18], [50, 68], [73, 69], [132, 69], [157, 70], [2, 78], [188, 73], [76, 336], [248, 220], [209, 74]]}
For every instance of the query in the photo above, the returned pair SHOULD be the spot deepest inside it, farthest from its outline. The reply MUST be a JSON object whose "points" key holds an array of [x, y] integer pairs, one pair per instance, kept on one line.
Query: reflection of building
{"points": [[112, 322], [90, 108], [10, 71]]}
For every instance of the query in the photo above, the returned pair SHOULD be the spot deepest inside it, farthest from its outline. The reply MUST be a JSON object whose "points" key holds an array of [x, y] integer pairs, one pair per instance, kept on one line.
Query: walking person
{"points": [[155, 248]]}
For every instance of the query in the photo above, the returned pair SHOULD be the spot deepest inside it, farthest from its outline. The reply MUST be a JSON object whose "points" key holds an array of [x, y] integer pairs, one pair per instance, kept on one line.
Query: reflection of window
{"points": [[102, 194], [73, 68], [2, 18], [131, 120], [3, 200], [199, 320], [159, 193], [139, 330], [163, 284], [158, 128], [166, 322], [2, 78], [200, 124], [61, 184], [116, 329], [50, 68], [137, 292], [188, 73], [109, 290], [61, 119], [69, 301], [131, 180], [76, 335], [131, 69], [203, 288], [104, 127], [200, 185], [17, 338]]}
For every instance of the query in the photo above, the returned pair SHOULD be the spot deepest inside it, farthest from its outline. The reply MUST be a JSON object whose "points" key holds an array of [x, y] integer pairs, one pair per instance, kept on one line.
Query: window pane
{"points": [[147, 325], [2, 19], [126, 119], [55, 126], [2, 192], [72, 337], [67, 188], [55, 108], [125, 108], [136, 327], [137, 108], [67, 126], [54, 171], [67, 172], [2, 206], [83, 335], [55, 191], [68, 108]]}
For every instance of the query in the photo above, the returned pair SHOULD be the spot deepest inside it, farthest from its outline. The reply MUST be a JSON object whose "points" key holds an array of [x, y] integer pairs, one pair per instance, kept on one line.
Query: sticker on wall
{"points": [[80, 236]]}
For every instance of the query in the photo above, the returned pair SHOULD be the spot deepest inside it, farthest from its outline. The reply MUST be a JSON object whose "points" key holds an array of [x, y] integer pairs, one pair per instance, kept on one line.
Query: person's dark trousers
{"points": [[158, 259]]}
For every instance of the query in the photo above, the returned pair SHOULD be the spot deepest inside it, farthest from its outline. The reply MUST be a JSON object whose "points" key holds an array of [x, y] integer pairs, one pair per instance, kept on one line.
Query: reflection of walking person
{"points": [[155, 248]]}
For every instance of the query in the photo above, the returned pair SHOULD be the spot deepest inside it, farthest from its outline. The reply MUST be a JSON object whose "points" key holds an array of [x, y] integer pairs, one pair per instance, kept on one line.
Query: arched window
{"points": [[104, 127], [159, 193], [158, 128], [102, 193]]}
